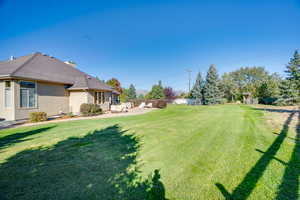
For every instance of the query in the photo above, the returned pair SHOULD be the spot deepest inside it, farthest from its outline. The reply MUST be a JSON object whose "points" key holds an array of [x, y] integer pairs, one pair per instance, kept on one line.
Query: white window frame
{"points": [[99, 96], [10, 89], [35, 95]]}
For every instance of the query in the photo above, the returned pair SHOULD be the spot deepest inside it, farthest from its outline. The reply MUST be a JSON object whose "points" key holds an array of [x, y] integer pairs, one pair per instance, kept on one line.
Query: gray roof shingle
{"points": [[42, 67]]}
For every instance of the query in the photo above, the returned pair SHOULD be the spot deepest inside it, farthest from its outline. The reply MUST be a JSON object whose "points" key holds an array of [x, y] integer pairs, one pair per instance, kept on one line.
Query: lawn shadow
{"points": [[279, 110], [101, 165], [247, 185], [289, 187], [20, 136]]}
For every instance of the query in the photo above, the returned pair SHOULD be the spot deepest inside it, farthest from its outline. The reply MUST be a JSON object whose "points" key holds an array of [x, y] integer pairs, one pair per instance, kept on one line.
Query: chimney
{"points": [[12, 58], [71, 63]]}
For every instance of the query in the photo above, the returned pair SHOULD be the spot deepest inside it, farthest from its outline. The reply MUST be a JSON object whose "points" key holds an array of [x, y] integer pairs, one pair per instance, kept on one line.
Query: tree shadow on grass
{"points": [[20, 137], [100, 165], [244, 189], [289, 187], [278, 110]]}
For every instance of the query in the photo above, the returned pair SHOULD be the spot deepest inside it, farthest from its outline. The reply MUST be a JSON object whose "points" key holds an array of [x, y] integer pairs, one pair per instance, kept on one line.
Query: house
{"points": [[38, 82]]}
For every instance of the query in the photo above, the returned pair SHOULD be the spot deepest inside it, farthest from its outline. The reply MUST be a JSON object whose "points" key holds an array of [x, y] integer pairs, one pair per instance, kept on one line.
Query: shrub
{"points": [[268, 100], [223, 101], [70, 114], [89, 109], [157, 103], [84, 108], [287, 102], [38, 116], [95, 109], [161, 104]]}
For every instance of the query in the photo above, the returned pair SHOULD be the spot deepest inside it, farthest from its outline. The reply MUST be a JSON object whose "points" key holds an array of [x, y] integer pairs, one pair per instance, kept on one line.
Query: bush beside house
{"points": [[38, 116], [88, 109]]}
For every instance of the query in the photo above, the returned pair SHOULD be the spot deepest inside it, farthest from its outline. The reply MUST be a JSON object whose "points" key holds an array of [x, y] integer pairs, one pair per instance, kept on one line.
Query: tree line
{"points": [[157, 91], [267, 88], [257, 82]]}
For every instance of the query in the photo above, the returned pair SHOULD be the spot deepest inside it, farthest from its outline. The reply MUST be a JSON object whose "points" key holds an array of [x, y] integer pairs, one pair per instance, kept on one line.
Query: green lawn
{"points": [[182, 152]]}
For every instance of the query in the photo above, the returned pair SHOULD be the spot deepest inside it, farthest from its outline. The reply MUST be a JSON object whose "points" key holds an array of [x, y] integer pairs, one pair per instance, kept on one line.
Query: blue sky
{"points": [[141, 42]]}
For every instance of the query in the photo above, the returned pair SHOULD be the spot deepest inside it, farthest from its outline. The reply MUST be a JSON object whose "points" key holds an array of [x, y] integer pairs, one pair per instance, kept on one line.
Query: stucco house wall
{"points": [[77, 98], [51, 98], [90, 97]]}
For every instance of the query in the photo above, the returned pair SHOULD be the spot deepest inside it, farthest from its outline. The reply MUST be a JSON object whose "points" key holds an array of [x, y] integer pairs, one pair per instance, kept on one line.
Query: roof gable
{"points": [[10, 66]]}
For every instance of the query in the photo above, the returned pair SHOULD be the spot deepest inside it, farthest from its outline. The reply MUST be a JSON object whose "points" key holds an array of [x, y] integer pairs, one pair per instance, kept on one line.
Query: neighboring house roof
{"points": [[45, 68]]}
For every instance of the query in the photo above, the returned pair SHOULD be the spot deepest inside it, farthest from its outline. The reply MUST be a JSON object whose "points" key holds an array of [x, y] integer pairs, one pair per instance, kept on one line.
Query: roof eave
{"points": [[34, 79], [82, 88], [86, 88], [5, 76]]}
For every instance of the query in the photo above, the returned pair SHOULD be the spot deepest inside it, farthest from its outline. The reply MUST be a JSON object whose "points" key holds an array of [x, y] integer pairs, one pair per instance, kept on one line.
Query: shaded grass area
{"points": [[19, 136], [182, 152], [95, 166]]}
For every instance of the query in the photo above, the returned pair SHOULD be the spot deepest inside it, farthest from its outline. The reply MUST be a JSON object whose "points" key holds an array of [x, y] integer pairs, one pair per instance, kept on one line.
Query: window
{"points": [[107, 97], [7, 94], [27, 94], [99, 97], [102, 97]]}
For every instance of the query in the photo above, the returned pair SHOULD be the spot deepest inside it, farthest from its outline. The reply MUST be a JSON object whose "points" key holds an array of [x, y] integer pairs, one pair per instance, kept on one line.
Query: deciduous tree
{"points": [[115, 83], [169, 93]]}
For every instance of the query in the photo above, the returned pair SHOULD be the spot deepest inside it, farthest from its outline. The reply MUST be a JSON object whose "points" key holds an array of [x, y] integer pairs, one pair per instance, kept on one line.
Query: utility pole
{"points": [[189, 74]]}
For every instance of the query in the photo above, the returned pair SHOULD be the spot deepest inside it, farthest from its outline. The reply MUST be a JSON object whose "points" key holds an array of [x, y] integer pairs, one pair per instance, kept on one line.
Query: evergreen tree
{"points": [[197, 91], [157, 92], [293, 69], [211, 90], [288, 90], [131, 92], [268, 91], [141, 96], [159, 83]]}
